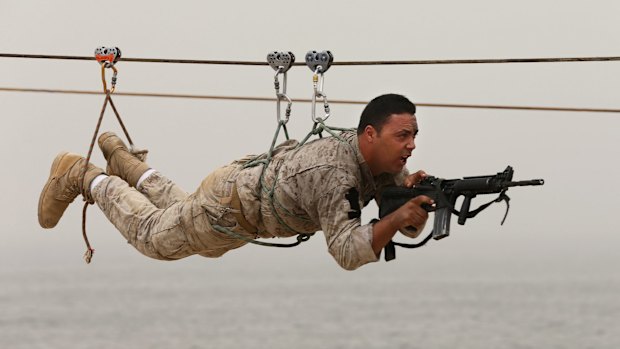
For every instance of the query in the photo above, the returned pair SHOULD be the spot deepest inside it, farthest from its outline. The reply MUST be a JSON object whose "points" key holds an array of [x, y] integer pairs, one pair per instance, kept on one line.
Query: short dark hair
{"points": [[380, 108]]}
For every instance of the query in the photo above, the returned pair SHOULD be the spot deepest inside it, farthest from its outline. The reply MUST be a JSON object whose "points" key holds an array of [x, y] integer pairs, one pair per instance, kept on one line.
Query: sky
{"points": [[564, 227]]}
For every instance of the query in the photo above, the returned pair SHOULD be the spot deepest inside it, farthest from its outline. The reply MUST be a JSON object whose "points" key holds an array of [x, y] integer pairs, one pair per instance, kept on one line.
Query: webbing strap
{"points": [[502, 197], [390, 250], [300, 238]]}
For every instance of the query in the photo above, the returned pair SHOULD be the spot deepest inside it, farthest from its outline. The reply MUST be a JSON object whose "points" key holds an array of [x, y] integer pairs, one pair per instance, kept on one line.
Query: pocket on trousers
{"points": [[171, 240], [171, 243]]}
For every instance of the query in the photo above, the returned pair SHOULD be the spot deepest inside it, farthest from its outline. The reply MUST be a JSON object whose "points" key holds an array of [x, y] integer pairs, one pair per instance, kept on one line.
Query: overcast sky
{"points": [[566, 226]]}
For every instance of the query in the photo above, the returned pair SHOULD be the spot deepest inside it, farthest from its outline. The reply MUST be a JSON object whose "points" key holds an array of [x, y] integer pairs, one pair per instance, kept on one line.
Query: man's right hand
{"points": [[412, 214]]}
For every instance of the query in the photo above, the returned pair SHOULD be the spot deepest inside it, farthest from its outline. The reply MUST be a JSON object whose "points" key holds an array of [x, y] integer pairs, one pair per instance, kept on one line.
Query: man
{"points": [[321, 185]]}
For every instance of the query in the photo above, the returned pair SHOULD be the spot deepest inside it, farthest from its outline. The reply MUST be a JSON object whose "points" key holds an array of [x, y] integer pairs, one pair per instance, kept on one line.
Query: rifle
{"points": [[445, 192]]}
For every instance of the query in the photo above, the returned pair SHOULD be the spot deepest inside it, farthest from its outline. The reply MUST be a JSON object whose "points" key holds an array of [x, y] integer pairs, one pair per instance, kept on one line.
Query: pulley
{"points": [[107, 57]]}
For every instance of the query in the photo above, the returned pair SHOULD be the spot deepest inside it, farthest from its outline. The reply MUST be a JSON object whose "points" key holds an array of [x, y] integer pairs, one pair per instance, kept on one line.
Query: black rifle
{"points": [[445, 193]]}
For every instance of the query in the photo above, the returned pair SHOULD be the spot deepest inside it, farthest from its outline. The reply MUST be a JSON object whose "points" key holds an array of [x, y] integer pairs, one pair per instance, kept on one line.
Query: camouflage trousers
{"points": [[164, 222]]}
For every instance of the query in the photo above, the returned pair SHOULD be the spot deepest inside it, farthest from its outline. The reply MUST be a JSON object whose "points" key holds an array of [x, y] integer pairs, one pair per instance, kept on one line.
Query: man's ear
{"points": [[370, 133]]}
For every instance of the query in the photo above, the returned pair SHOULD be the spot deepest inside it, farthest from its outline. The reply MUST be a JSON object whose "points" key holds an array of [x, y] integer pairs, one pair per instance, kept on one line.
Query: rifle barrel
{"points": [[525, 183]]}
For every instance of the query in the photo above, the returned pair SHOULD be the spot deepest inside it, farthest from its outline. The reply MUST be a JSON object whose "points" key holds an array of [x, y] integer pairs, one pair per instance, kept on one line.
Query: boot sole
{"points": [[55, 164]]}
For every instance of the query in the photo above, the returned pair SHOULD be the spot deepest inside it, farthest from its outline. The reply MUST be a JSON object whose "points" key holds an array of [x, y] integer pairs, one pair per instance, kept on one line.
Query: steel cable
{"points": [[341, 63], [306, 100]]}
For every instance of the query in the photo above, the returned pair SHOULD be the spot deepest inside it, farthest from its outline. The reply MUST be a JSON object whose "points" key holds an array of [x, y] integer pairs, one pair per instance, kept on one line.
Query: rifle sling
{"points": [[390, 248]]}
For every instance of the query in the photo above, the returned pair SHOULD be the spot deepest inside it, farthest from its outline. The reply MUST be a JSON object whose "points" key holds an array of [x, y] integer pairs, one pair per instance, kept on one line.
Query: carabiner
{"points": [[319, 63], [281, 62], [287, 115]]}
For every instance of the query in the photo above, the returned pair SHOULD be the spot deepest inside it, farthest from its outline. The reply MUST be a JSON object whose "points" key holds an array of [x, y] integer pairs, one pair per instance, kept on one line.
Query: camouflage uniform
{"points": [[320, 186]]}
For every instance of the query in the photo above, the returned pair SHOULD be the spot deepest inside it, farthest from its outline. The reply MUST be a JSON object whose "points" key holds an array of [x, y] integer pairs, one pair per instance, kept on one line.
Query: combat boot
{"points": [[63, 186], [121, 162]]}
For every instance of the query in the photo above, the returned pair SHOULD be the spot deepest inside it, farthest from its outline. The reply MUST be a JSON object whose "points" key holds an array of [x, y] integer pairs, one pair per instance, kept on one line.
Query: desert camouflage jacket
{"points": [[322, 185]]}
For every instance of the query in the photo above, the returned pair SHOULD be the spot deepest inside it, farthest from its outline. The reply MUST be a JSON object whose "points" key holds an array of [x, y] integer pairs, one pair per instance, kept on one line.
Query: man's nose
{"points": [[411, 144]]}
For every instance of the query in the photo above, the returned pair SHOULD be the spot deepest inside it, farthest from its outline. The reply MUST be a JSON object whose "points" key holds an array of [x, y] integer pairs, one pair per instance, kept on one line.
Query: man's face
{"points": [[394, 144]]}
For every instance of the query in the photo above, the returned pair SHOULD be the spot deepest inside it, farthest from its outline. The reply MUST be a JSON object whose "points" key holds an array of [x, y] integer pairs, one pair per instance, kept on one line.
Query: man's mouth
{"points": [[403, 159]]}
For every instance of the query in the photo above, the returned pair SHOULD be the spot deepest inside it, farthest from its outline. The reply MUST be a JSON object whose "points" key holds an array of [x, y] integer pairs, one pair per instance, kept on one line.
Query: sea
{"points": [[260, 301]]}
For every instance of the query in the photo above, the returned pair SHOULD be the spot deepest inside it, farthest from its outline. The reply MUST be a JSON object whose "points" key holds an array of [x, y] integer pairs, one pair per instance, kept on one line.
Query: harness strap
{"points": [[300, 238]]}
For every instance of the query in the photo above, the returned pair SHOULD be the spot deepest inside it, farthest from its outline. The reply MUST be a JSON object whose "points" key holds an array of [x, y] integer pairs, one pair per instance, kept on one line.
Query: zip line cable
{"points": [[335, 101], [343, 63]]}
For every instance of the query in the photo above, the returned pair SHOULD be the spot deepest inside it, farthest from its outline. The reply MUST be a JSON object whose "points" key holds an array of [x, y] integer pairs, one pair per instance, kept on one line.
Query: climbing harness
{"points": [[319, 63], [281, 62], [107, 57]]}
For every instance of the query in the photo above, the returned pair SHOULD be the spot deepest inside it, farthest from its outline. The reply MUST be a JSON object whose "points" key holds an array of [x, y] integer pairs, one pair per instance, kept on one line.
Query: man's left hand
{"points": [[414, 178]]}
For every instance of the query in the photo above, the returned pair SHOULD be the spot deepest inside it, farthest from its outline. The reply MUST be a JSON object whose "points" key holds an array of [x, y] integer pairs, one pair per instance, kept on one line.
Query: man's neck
{"points": [[366, 153]]}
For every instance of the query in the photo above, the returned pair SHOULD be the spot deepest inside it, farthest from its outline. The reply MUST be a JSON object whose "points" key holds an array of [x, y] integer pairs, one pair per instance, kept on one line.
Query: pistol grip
{"points": [[464, 210]]}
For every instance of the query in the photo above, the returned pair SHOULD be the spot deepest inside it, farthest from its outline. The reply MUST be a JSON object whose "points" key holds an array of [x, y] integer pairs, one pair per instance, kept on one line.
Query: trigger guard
{"points": [[428, 207]]}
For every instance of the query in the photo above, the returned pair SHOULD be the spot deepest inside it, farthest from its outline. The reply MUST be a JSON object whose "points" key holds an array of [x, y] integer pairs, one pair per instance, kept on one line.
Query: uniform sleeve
{"points": [[349, 242]]}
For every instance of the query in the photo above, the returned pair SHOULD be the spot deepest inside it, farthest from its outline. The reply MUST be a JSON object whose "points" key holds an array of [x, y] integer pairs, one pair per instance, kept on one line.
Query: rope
{"points": [[343, 63], [89, 250], [306, 100], [108, 99], [120, 121], [301, 237]]}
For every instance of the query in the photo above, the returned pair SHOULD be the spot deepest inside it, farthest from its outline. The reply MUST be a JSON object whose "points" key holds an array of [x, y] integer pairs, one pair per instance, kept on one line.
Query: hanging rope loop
{"points": [[107, 57]]}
